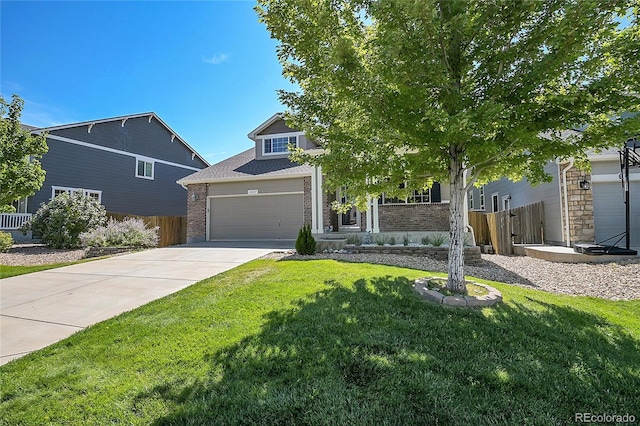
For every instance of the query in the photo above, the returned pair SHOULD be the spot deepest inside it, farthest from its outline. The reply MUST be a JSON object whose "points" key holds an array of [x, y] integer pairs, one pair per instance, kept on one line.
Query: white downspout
{"points": [[566, 202]]}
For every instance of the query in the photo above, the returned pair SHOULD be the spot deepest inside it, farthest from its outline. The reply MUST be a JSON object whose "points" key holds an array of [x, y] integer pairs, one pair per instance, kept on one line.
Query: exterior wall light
{"points": [[584, 184]]}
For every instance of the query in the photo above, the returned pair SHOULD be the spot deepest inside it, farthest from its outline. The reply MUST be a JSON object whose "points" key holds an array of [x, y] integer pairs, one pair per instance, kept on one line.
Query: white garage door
{"points": [[609, 211], [259, 217]]}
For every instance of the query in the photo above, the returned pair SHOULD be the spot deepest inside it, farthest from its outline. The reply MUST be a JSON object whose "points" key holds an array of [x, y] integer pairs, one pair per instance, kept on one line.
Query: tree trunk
{"points": [[455, 281]]}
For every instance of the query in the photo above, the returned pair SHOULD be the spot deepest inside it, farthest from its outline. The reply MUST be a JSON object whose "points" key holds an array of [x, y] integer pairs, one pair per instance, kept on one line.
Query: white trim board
{"points": [[117, 151], [266, 194], [633, 177]]}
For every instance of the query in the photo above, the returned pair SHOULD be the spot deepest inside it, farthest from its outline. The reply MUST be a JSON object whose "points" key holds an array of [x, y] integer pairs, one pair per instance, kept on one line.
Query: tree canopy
{"points": [[422, 90], [21, 174]]}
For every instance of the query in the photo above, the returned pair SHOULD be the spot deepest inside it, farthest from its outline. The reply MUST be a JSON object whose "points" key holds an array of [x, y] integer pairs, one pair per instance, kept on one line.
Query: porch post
{"points": [[376, 222], [314, 189], [369, 214], [319, 202]]}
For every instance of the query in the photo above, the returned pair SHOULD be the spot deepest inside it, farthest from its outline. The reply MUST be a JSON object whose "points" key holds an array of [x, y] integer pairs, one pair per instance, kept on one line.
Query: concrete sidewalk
{"points": [[42, 308]]}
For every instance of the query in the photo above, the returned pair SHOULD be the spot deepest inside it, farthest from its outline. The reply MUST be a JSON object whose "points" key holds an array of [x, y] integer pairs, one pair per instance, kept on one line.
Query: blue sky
{"points": [[207, 68]]}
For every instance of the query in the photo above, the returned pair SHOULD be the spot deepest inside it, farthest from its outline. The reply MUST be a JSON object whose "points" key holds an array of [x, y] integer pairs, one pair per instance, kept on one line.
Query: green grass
{"points": [[324, 342], [7, 271]]}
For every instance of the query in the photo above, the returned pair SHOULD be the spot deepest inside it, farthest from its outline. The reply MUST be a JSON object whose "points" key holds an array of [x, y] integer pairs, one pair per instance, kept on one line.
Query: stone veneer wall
{"points": [[581, 220], [414, 217], [197, 213]]}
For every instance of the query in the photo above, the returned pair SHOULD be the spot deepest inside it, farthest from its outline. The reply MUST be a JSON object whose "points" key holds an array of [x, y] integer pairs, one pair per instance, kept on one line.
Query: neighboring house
{"points": [[130, 164], [594, 200], [260, 194]]}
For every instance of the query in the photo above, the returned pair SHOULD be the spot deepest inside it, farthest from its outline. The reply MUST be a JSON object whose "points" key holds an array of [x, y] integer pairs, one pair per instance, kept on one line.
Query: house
{"points": [[261, 194], [579, 206], [130, 164]]}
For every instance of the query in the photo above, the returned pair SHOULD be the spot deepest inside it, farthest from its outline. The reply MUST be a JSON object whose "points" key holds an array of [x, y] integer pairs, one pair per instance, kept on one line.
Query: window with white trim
{"points": [[482, 197], [471, 199], [278, 145], [93, 193], [417, 196], [144, 169], [495, 205]]}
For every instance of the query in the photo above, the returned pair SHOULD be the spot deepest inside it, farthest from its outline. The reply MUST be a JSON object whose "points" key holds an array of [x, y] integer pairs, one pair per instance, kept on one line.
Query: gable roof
{"points": [[244, 166], [275, 117], [123, 119]]}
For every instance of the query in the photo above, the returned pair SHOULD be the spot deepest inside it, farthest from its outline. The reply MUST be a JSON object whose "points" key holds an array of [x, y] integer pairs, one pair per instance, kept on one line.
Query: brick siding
{"points": [[197, 213], [413, 217]]}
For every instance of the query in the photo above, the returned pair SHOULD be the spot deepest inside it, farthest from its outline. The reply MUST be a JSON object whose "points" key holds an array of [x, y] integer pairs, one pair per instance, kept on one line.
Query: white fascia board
{"points": [[275, 117], [150, 115], [117, 151], [241, 179]]}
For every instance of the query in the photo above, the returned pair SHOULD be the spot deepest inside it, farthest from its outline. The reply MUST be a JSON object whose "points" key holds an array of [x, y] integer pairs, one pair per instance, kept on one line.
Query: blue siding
{"points": [[75, 166], [137, 136]]}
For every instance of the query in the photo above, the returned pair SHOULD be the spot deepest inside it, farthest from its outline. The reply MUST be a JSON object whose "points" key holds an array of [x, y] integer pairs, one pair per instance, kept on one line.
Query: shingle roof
{"points": [[244, 166]]}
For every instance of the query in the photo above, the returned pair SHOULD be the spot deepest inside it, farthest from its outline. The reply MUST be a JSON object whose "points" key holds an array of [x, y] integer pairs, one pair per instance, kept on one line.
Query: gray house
{"points": [[260, 194], [579, 206], [130, 164]]}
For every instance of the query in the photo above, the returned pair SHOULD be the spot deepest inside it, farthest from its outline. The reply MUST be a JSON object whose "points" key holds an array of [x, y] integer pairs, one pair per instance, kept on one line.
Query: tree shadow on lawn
{"points": [[489, 270], [376, 353]]}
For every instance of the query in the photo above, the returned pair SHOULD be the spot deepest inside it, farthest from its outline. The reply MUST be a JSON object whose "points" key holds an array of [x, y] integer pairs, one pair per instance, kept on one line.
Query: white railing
{"points": [[13, 220]]}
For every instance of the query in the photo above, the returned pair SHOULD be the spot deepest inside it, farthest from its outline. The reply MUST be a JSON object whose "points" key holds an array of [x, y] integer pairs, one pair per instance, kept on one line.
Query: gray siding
{"points": [[523, 193], [137, 136], [608, 203], [74, 166], [280, 127]]}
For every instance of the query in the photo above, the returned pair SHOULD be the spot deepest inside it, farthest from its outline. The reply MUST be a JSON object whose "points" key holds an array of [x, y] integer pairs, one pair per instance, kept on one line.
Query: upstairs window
{"points": [[278, 145], [144, 169]]}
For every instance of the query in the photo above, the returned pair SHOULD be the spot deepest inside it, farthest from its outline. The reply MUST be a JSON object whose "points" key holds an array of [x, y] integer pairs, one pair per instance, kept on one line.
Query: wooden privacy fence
{"points": [[521, 225], [171, 229]]}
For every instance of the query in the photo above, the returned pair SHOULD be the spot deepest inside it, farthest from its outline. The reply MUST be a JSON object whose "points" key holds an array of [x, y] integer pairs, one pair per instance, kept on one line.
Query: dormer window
{"points": [[278, 144]]}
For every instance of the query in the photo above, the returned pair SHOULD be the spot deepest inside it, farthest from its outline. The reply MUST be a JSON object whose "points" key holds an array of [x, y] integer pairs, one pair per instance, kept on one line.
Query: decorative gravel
{"points": [[38, 254], [614, 281]]}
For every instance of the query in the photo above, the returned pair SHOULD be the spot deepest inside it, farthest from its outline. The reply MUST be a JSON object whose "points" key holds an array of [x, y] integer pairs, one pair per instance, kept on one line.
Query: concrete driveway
{"points": [[42, 308]]}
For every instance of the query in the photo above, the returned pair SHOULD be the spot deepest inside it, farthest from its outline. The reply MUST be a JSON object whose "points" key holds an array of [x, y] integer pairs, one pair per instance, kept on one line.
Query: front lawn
{"points": [[7, 271], [324, 342]]}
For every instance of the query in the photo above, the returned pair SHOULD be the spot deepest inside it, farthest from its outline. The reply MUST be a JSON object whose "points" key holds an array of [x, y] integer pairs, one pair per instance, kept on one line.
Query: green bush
{"points": [[305, 244], [426, 240], [130, 232], [355, 240], [60, 222], [6, 241], [438, 240]]}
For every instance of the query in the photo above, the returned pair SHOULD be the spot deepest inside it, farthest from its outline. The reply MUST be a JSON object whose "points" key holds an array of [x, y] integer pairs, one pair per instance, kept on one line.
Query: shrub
{"points": [[405, 240], [305, 244], [355, 240], [60, 222], [438, 240], [426, 240], [130, 232], [392, 241], [6, 241], [381, 240]]}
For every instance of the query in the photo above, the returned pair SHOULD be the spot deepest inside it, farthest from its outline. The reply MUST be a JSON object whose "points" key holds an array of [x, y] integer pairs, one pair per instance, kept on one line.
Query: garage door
{"points": [[609, 211], [257, 217]]}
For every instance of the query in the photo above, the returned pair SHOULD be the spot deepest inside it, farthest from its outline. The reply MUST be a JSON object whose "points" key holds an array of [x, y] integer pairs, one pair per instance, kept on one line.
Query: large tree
{"points": [[21, 174], [454, 91]]}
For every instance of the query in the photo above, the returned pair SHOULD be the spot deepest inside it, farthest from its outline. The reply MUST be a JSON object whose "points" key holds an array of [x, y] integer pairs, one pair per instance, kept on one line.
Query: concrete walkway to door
{"points": [[41, 308]]}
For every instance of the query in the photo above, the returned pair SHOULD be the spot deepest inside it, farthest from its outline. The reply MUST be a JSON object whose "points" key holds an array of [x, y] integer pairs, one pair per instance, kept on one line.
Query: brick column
{"points": [[197, 213]]}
